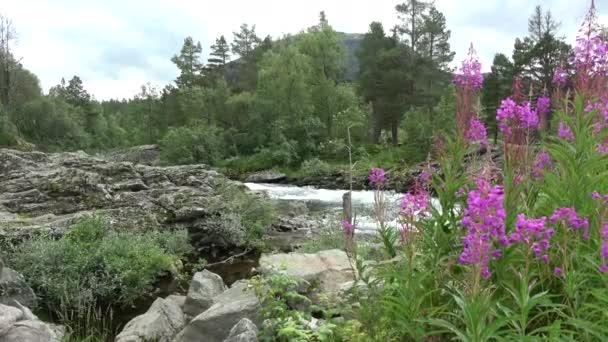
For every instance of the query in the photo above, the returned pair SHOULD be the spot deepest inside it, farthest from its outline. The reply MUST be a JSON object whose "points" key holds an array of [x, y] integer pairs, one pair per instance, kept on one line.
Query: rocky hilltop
{"points": [[42, 192]]}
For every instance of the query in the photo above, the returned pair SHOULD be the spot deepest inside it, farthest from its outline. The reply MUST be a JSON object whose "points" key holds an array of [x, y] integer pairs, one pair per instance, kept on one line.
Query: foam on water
{"points": [[331, 201]]}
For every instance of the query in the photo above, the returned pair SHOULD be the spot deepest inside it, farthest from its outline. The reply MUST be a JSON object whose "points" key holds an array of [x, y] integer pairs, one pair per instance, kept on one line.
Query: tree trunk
{"points": [[376, 124], [395, 132]]}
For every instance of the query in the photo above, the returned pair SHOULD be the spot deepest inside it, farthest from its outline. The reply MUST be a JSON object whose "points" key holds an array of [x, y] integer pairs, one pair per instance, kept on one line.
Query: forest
{"points": [[258, 103]]}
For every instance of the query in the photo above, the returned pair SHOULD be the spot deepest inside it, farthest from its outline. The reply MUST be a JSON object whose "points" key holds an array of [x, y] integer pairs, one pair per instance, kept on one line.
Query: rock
{"points": [[145, 154], [13, 288], [203, 288], [243, 331], [288, 233], [177, 299], [268, 176], [230, 307], [160, 323], [18, 324], [289, 224], [330, 269], [44, 193]]}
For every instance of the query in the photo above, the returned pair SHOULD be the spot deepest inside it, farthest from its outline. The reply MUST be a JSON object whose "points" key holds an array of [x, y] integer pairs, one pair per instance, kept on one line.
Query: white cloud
{"points": [[117, 45]]}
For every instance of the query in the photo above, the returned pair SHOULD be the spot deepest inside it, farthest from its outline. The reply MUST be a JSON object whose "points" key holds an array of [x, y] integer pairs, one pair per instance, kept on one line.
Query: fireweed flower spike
{"points": [[558, 271], [560, 77], [468, 81], [569, 218], [590, 55], [470, 74], [541, 164], [484, 219], [604, 249], [565, 132], [511, 115], [377, 177], [535, 234], [348, 227], [477, 132]]}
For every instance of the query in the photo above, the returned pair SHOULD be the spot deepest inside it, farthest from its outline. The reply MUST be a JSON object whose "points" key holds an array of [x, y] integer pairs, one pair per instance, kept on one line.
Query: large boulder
{"points": [[215, 323], [330, 269], [44, 193], [144, 154], [268, 176], [243, 331], [18, 324], [160, 323], [13, 288], [203, 288]]}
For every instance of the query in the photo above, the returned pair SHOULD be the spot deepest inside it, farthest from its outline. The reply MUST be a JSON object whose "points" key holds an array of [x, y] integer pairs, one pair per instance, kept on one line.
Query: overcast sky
{"points": [[115, 46]]}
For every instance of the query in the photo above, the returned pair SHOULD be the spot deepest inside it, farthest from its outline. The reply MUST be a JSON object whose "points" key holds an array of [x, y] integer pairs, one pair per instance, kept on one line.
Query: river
{"points": [[327, 204]]}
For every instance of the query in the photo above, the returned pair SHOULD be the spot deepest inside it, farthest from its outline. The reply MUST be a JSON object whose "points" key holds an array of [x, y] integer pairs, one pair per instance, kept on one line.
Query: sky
{"points": [[115, 46]]}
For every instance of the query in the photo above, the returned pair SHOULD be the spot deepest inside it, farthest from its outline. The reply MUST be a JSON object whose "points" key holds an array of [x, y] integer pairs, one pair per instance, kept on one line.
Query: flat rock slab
{"points": [[329, 268]]}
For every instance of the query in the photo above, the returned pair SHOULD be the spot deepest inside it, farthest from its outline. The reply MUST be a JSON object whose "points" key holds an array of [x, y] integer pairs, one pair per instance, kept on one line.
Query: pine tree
{"points": [[383, 78], [412, 14], [220, 53], [245, 41], [189, 63], [537, 56], [76, 95], [434, 39]]}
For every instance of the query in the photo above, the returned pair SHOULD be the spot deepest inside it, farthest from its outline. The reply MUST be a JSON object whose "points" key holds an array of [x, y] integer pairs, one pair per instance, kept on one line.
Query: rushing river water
{"points": [[328, 203]]}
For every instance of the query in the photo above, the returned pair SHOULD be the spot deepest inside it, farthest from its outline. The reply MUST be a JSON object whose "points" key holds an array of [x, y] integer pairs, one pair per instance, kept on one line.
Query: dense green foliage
{"points": [[279, 103], [92, 264]]}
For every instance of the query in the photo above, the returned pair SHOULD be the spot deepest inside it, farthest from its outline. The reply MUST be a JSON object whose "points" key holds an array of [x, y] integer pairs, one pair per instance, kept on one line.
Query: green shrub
{"points": [[284, 310], [8, 131], [315, 167], [92, 264], [265, 158], [253, 213], [192, 145]]}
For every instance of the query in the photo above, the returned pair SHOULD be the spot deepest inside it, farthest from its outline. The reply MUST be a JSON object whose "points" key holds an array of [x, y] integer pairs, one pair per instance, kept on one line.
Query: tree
{"points": [[75, 94], [8, 63], [434, 40], [245, 41], [148, 98], [189, 64], [412, 14], [25, 87], [541, 24], [220, 53], [383, 79], [322, 44], [537, 56], [497, 86]]}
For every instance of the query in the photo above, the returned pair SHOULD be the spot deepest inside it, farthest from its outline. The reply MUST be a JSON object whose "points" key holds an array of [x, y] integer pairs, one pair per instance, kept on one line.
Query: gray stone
{"points": [[330, 269], [13, 288], [243, 331], [160, 323], [178, 299], [44, 193], [204, 287], [215, 323], [144, 154], [18, 324], [268, 176]]}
